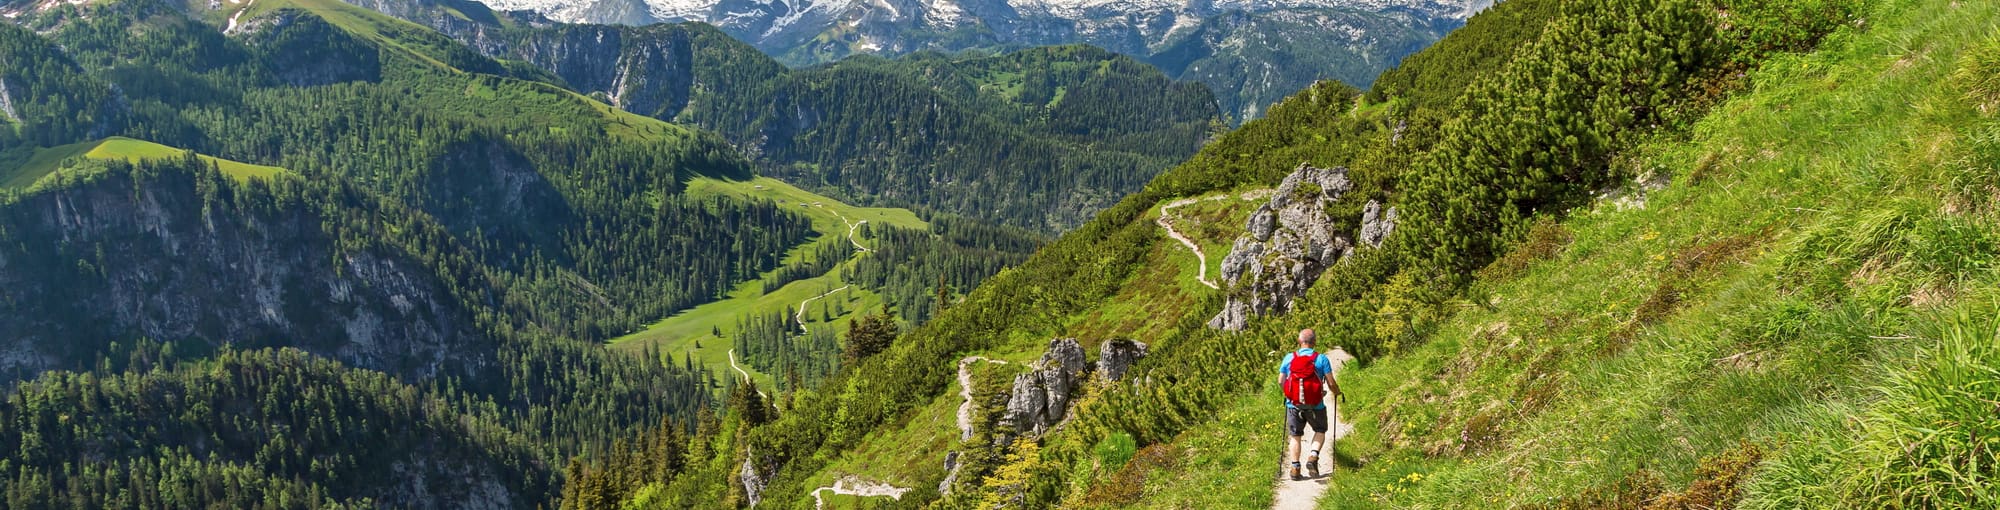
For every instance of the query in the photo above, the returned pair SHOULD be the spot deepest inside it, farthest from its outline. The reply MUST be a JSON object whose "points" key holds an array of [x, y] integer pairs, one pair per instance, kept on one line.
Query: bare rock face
{"points": [[1117, 356], [951, 466], [1376, 224], [753, 478], [1290, 241], [1041, 397]]}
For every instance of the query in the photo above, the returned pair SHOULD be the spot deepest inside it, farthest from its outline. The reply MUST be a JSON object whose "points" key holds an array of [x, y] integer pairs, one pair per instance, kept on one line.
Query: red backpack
{"points": [[1303, 387]]}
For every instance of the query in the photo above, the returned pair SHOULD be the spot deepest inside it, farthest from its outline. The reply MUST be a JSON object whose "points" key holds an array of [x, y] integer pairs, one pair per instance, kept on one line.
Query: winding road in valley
{"points": [[851, 225], [800, 315], [746, 375]]}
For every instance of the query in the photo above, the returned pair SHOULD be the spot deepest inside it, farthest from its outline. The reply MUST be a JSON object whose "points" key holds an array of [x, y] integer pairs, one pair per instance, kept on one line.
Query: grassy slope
{"points": [[1662, 336], [45, 161], [681, 332]]}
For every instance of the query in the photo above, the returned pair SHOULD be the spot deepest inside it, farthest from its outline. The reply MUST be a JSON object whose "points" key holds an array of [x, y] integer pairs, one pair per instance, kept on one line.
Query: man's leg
{"points": [[1317, 421], [1295, 425]]}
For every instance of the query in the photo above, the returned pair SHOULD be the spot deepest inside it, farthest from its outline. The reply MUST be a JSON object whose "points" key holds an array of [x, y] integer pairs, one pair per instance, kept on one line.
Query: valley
{"points": [[707, 331], [1673, 254]]}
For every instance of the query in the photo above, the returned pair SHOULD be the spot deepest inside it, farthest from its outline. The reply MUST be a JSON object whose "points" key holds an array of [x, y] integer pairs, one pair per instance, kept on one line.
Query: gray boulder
{"points": [[1041, 397], [1117, 356], [1289, 243], [1376, 223]]}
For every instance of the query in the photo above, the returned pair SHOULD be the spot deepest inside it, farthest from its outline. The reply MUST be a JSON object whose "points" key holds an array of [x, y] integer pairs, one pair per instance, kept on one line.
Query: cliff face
{"points": [[653, 70], [174, 259], [1290, 242]]}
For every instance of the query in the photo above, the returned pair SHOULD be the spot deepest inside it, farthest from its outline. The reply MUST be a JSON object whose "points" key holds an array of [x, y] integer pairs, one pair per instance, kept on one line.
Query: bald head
{"points": [[1306, 337]]}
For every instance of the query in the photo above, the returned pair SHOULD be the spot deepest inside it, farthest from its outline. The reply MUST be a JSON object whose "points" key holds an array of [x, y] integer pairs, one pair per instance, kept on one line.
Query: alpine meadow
{"points": [[1000, 254]]}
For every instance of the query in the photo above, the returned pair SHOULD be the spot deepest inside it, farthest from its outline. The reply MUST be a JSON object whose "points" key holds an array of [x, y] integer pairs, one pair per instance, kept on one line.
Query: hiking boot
{"points": [[1295, 472], [1312, 467]]}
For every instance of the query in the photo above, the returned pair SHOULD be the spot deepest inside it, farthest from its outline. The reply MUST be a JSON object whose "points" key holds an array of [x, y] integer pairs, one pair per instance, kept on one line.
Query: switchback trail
{"points": [[800, 315], [1304, 494], [1201, 259], [851, 225], [851, 485]]}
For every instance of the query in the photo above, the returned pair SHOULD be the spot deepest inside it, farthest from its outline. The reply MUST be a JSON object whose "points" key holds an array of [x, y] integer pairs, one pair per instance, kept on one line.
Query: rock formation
{"points": [[1291, 241], [1376, 224], [1041, 397], [753, 478], [1117, 356]]}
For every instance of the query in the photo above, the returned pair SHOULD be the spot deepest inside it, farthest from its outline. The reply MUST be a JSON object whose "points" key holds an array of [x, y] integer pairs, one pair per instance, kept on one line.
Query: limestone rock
{"points": [[753, 478], [951, 466], [1289, 242], [1041, 397], [1376, 224], [1117, 356]]}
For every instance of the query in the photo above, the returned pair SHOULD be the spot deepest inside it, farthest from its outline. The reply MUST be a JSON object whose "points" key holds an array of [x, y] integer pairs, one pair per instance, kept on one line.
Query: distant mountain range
{"points": [[1251, 52]]}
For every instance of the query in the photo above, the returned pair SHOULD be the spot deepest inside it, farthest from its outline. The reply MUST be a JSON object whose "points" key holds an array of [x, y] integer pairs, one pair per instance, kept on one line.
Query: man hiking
{"points": [[1306, 376]]}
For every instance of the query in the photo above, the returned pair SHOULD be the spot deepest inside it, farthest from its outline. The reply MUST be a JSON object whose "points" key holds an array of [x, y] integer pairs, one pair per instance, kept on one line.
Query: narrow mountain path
{"points": [[739, 370], [965, 394], [1166, 214], [1165, 221], [851, 485], [1304, 494], [800, 315], [851, 225], [238, 16]]}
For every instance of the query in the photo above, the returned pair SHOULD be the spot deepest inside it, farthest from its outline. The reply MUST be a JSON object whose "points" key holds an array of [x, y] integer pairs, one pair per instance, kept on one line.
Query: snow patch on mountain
{"points": [[949, 13]]}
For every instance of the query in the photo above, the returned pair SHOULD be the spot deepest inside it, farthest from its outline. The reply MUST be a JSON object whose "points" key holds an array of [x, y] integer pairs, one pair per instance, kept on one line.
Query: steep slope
{"points": [[431, 236], [1251, 52], [1470, 179], [459, 223]]}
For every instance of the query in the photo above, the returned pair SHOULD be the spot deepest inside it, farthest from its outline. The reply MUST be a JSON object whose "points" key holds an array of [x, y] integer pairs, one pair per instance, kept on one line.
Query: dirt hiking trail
{"points": [[1304, 494]]}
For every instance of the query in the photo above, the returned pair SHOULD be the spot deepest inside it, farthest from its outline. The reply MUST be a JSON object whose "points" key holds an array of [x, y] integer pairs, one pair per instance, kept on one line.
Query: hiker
{"points": [[1307, 377]]}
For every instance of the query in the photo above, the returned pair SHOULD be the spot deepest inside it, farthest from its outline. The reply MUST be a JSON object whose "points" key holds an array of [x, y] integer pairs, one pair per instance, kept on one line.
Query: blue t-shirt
{"points": [[1323, 366]]}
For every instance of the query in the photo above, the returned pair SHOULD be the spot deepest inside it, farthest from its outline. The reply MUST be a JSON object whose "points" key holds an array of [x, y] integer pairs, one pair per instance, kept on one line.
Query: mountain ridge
{"points": [[1279, 46]]}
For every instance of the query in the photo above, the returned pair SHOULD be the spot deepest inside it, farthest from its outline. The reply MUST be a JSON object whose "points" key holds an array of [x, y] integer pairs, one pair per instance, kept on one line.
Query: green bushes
{"points": [[1539, 135]]}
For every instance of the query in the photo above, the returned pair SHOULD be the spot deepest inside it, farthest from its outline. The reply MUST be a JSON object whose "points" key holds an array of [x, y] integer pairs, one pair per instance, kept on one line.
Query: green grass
{"points": [[692, 330], [1831, 192], [45, 161], [1812, 282]]}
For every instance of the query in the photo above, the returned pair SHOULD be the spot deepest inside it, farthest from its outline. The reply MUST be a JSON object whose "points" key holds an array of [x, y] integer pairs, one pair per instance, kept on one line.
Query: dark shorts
{"points": [[1296, 420]]}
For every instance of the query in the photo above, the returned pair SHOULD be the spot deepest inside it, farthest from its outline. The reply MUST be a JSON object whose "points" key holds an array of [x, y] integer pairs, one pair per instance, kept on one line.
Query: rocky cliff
{"points": [[1291, 240], [181, 258]]}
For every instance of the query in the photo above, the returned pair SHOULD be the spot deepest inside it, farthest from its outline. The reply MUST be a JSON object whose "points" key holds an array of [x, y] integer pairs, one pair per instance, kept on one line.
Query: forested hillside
{"points": [[1597, 254], [1631, 269], [384, 280], [1039, 138]]}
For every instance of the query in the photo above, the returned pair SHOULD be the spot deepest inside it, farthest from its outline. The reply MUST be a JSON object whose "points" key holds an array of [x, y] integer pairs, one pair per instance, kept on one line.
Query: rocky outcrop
{"points": [[1041, 397], [1117, 356], [951, 466], [7, 103], [1291, 240], [1376, 224], [753, 477]]}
